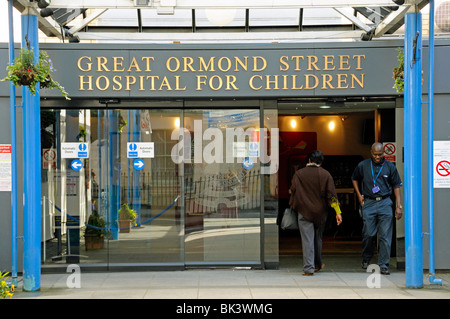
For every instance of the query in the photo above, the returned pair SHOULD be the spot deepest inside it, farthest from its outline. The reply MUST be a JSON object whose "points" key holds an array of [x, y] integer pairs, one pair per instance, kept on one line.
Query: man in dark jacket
{"points": [[374, 180], [312, 191]]}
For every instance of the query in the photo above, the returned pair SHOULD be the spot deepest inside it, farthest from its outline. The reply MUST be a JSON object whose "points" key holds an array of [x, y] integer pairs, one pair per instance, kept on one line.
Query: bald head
{"points": [[377, 146], [377, 152]]}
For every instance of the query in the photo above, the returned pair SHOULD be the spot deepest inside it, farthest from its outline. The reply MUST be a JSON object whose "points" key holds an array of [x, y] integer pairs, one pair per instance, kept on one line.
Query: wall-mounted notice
{"points": [[5, 168], [441, 164]]}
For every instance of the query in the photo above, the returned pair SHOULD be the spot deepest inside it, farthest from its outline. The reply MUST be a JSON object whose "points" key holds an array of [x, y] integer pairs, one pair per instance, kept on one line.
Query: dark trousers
{"points": [[377, 219], [311, 244]]}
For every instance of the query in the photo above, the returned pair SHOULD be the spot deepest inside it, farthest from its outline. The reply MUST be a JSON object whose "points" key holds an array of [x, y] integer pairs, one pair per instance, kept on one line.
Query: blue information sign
{"points": [[76, 165], [138, 164], [247, 163]]}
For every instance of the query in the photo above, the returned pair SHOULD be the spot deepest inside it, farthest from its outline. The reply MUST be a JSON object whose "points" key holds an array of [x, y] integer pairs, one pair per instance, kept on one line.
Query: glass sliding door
{"points": [[111, 190], [148, 186], [152, 187], [222, 187]]}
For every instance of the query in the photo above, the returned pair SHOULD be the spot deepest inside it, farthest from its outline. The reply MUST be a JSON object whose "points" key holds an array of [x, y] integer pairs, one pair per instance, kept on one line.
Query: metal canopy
{"points": [[188, 21]]}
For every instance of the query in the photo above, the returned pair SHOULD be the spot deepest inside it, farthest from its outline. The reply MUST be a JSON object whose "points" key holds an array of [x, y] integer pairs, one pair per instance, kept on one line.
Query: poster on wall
{"points": [[5, 168], [441, 164]]}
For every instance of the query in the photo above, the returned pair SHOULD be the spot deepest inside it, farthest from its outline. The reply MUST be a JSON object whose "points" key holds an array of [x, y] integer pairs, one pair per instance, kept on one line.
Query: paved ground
{"points": [[339, 280]]}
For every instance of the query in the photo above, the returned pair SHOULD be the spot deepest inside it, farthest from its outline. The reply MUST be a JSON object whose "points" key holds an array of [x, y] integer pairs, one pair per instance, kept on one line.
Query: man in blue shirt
{"points": [[374, 180]]}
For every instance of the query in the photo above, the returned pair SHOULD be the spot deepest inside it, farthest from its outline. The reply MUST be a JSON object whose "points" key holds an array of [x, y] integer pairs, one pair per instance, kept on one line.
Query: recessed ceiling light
{"points": [[325, 107]]}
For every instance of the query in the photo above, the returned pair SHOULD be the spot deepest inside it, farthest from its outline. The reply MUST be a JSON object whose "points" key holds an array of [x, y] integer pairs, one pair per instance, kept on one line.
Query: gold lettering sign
{"points": [[221, 73]]}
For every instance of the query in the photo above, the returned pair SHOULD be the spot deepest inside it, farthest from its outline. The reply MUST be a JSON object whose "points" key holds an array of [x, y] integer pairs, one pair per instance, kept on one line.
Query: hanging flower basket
{"points": [[399, 72], [24, 72], [25, 76]]}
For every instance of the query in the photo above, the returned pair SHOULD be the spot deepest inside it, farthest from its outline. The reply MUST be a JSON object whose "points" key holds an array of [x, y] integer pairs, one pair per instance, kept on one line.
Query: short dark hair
{"points": [[316, 157]]}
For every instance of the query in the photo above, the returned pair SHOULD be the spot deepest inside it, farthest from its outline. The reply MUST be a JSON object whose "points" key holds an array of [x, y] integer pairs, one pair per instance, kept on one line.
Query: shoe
{"points": [[385, 271], [307, 274], [364, 264], [319, 269]]}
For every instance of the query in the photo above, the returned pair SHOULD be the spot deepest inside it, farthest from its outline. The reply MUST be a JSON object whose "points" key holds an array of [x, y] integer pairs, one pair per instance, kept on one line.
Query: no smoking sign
{"points": [[390, 151], [441, 162], [443, 168], [48, 158]]}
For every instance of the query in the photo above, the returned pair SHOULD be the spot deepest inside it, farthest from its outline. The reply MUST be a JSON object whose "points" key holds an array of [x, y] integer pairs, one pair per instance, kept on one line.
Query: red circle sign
{"points": [[49, 155], [389, 149], [443, 168]]}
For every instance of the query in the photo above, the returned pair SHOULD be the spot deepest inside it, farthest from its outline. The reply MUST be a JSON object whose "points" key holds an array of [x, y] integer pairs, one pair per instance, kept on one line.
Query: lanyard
{"points": [[375, 178]]}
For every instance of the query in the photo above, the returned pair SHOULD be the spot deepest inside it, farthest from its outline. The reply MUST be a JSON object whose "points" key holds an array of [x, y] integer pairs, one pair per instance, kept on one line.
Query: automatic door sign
{"points": [[76, 165], [390, 151], [74, 150], [441, 153], [253, 149], [138, 164], [140, 149], [245, 149]]}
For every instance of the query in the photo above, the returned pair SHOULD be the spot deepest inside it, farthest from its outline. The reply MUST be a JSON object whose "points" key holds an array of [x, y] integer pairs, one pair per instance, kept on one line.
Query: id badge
{"points": [[376, 189]]}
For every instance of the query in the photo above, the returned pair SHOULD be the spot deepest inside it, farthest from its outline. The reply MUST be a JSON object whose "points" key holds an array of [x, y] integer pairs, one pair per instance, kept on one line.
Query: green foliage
{"points": [[126, 213], [5, 290], [95, 225], [122, 123], [399, 72], [23, 71]]}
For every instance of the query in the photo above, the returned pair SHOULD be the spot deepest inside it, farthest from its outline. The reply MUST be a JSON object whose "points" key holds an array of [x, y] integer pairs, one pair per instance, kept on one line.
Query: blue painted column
{"points": [[136, 116], [114, 172], [413, 150], [32, 168]]}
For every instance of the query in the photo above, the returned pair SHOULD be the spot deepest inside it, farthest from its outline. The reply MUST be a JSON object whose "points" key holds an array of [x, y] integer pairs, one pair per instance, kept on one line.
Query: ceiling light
{"points": [[141, 2], [220, 17], [331, 125], [43, 3], [325, 107], [46, 12], [293, 123], [74, 39]]}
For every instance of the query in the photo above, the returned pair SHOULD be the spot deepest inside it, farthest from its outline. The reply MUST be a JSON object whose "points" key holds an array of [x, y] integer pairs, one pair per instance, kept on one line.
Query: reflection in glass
{"points": [[202, 209], [222, 196], [81, 216]]}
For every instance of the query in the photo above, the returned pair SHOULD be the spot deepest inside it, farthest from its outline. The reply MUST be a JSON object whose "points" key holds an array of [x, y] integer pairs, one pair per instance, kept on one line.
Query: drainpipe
{"points": [[12, 103], [432, 278], [413, 161]]}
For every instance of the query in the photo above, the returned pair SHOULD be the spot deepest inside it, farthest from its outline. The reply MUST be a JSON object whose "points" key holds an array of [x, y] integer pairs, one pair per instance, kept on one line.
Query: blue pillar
{"points": [[136, 116], [114, 173], [32, 168], [413, 150]]}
